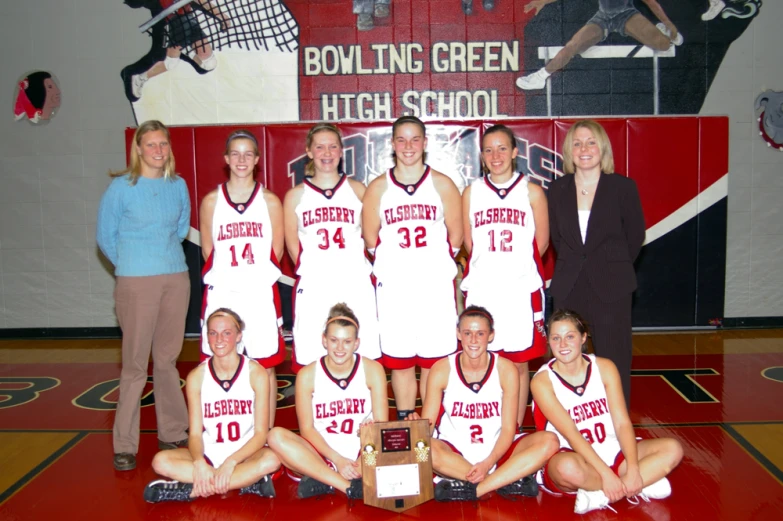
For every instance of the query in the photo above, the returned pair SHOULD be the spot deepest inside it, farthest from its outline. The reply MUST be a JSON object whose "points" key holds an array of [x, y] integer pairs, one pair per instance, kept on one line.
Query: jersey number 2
{"points": [[475, 434], [247, 254]]}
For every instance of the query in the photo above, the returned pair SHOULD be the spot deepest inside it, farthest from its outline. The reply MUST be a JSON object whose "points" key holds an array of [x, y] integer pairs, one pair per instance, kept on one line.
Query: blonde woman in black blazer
{"points": [[597, 228]]}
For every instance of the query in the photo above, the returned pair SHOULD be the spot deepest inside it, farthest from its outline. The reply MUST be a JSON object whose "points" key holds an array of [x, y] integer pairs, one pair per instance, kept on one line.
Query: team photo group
{"points": [[376, 292]]}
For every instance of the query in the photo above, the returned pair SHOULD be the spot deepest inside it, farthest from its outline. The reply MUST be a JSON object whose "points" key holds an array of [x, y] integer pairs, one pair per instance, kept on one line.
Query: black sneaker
{"points": [[264, 487], [455, 490], [171, 445], [309, 487], [526, 487], [356, 490], [162, 490]]}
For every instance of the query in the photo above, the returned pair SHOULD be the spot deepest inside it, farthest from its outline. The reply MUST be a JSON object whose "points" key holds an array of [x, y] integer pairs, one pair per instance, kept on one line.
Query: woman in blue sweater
{"points": [[143, 218]]}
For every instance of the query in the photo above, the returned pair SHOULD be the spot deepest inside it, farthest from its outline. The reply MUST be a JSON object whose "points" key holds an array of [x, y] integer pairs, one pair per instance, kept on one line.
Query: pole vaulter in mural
{"points": [[255, 41]]}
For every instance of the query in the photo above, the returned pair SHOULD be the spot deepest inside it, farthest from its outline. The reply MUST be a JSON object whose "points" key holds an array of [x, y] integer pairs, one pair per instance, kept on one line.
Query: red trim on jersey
{"points": [[567, 385], [348, 378], [322, 191], [208, 263], [246, 204], [498, 190], [416, 185], [505, 457], [392, 362], [539, 420], [277, 358], [539, 345], [295, 365], [452, 447], [226, 385], [480, 383], [427, 363], [441, 414]]}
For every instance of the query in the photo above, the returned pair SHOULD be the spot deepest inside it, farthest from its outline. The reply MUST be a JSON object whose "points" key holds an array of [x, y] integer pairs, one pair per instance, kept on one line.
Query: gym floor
{"points": [[718, 392]]}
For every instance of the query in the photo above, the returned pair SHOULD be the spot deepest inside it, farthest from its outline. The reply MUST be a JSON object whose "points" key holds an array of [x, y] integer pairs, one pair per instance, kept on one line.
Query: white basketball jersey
{"points": [[587, 406], [330, 231], [413, 241], [227, 410], [242, 254], [503, 230], [472, 412], [340, 406]]}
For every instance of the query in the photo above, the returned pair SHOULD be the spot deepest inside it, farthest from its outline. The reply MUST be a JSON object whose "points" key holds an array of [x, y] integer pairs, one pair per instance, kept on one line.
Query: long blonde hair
{"points": [[319, 127], [134, 167], [604, 145]]}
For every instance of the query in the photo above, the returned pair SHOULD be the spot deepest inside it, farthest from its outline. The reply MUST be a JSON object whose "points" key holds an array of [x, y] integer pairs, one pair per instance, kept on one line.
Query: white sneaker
{"points": [[665, 30], [534, 81], [661, 489], [209, 63], [137, 82], [588, 500], [716, 6]]}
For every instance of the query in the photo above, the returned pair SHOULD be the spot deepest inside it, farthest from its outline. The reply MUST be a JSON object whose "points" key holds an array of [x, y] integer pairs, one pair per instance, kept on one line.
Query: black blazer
{"points": [[615, 234]]}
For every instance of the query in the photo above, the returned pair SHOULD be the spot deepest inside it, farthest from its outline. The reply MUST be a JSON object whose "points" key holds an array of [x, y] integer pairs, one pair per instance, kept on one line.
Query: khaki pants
{"points": [[151, 312]]}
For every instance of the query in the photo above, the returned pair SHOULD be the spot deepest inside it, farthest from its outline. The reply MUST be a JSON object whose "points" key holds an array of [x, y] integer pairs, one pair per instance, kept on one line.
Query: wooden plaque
{"points": [[397, 464]]}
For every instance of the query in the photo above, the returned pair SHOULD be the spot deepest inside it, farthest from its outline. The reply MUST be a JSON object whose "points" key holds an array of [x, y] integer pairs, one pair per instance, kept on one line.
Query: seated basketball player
{"points": [[580, 398], [335, 396], [477, 447], [229, 419]]}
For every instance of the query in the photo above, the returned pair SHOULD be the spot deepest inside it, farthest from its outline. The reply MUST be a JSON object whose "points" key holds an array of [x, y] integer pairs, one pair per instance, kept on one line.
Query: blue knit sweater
{"points": [[141, 228]]}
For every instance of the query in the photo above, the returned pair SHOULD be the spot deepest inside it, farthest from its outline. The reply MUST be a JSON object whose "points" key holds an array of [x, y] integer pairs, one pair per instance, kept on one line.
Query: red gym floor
{"points": [[719, 393]]}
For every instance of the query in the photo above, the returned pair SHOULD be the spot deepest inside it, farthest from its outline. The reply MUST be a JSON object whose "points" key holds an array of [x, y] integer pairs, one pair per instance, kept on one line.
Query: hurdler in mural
{"points": [[613, 16], [255, 39]]}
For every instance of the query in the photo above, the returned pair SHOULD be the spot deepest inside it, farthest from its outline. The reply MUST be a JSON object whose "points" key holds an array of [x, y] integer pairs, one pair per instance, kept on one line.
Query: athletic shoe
{"points": [[364, 22], [356, 490], [381, 10], [665, 30], [455, 490], [588, 500], [715, 9], [526, 487], [137, 82], [209, 63], [264, 487], [161, 490], [661, 489], [534, 81], [124, 461], [171, 445], [309, 487]]}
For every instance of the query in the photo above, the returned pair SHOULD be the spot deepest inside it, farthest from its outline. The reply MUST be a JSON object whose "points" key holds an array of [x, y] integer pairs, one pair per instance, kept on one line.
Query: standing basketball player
{"points": [[412, 221], [242, 241], [506, 232], [472, 403], [323, 231], [580, 398], [227, 396], [335, 396]]}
